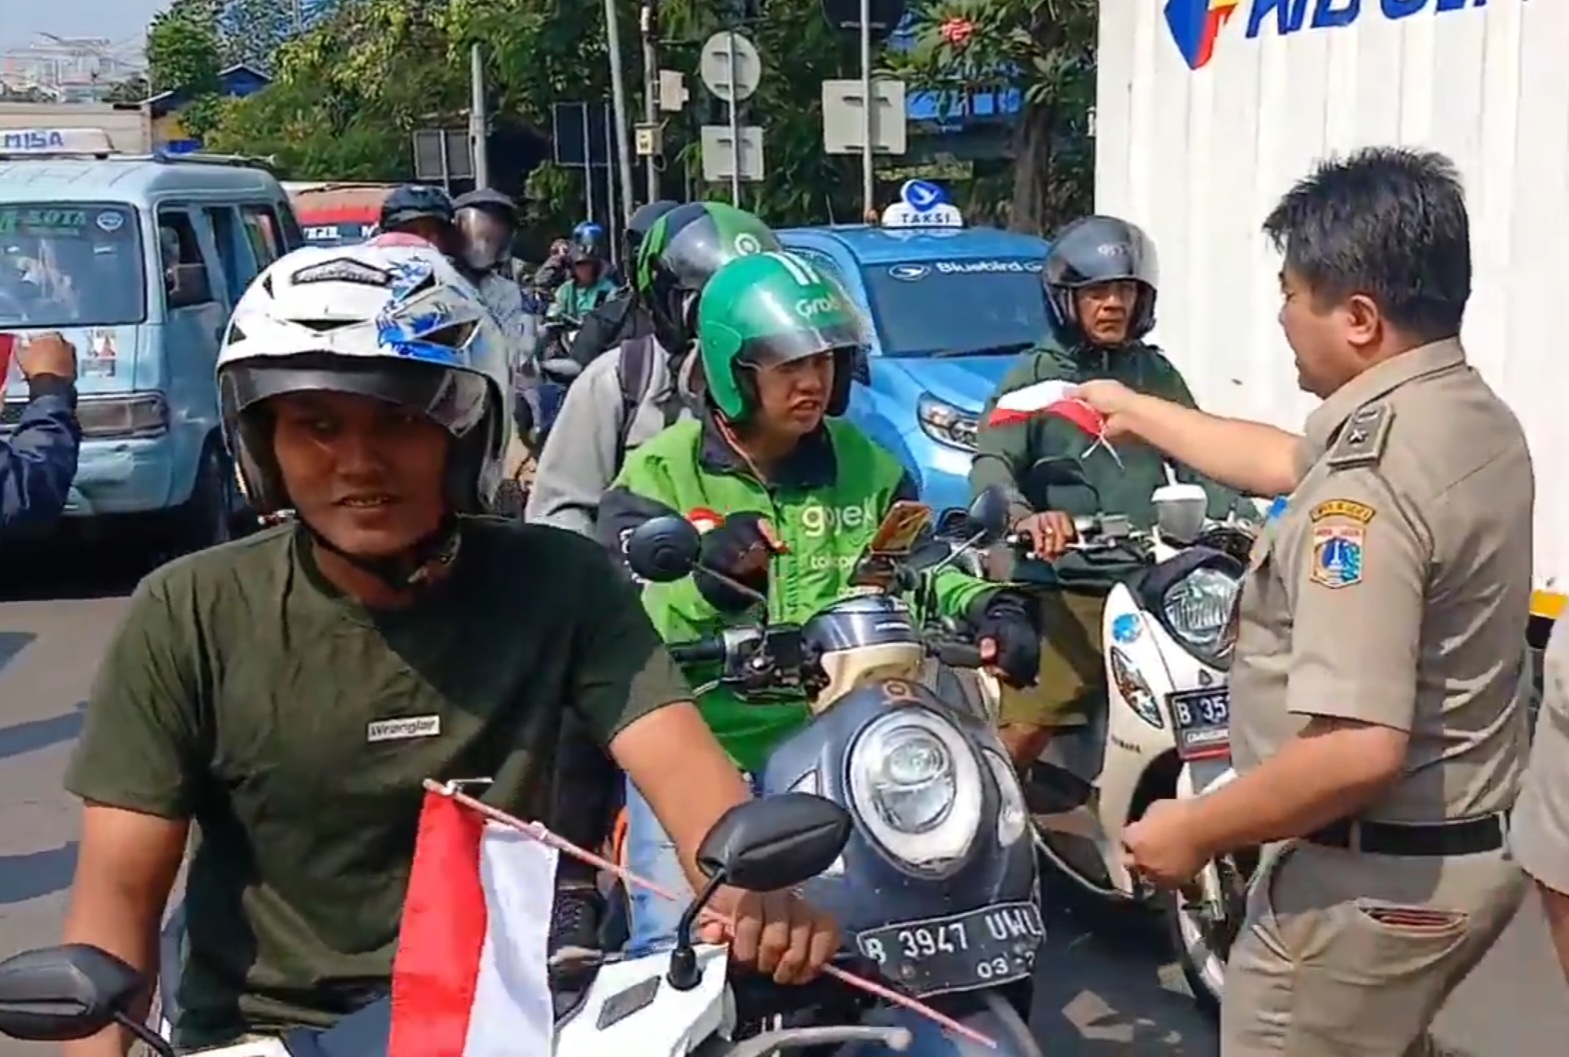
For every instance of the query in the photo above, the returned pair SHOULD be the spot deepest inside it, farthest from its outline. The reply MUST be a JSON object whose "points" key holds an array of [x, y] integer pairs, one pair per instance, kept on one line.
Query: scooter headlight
{"points": [[915, 784], [1198, 612]]}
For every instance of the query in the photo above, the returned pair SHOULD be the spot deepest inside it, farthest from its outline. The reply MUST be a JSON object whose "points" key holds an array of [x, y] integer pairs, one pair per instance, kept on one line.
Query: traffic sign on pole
{"points": [[843, 123]]}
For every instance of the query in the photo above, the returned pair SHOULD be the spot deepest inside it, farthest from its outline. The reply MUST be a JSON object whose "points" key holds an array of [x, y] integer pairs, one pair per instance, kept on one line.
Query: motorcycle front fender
{"points": [[987, 1012]]}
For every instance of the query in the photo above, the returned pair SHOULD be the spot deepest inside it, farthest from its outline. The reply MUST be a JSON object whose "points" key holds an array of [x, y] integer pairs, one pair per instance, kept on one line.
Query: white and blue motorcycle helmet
{"points": [[395, 323]]}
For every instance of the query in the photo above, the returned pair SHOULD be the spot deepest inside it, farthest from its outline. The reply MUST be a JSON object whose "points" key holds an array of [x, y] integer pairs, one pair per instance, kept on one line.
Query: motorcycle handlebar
{"points": [[703, 651], [958, 654]]}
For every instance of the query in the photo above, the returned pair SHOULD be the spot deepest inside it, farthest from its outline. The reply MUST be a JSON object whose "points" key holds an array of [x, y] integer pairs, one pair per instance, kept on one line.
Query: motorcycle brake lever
{"points": [[895, 1039]]}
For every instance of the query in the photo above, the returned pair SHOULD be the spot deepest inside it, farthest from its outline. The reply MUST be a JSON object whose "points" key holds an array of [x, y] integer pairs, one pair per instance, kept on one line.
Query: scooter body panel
{"points": [[631, 1008]]}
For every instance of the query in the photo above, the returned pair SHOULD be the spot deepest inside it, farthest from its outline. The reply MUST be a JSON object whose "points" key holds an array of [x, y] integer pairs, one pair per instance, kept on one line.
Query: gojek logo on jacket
{"points": [[1195, 25], [818, 520]]}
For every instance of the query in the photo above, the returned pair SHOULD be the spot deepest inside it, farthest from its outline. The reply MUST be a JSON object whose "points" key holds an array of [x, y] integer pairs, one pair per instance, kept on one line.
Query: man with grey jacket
{"points": [[647, 383]]}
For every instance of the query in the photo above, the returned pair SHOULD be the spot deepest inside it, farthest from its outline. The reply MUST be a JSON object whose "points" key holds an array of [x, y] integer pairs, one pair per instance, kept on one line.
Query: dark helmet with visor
{"points": [[486, 220], [1094, 250], [684, 250]]}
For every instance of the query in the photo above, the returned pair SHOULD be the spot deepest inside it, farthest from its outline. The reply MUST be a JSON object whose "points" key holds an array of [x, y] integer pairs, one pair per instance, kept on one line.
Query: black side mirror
{"points": [[761, 846], [988, 514], [70, 992], [663, 549], [777, 842]]}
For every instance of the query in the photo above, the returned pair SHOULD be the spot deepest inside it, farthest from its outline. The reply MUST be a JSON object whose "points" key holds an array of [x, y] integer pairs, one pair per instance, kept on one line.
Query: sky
{"points": [[22, 20]]}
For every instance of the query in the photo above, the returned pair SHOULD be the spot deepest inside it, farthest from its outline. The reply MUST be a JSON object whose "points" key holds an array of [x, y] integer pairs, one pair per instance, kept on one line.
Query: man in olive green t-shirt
{"points": [[280, 699]]}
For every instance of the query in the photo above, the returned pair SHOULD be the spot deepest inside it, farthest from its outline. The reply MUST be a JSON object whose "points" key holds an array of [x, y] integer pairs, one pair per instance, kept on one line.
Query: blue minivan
{"points": [[138, 261], [952, 309]]}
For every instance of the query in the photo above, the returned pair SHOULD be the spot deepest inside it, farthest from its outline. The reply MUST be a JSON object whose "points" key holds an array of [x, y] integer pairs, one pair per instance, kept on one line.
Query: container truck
{"points": [[1208, 110]]}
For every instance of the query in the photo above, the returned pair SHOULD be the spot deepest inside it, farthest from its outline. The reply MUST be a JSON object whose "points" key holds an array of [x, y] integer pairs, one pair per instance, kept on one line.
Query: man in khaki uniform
{"points": [[1380, 674], [1540, 833]]}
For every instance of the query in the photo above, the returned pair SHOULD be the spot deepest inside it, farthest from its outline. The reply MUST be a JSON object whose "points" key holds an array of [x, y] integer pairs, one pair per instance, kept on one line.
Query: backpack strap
{"points": [[635, 370]]}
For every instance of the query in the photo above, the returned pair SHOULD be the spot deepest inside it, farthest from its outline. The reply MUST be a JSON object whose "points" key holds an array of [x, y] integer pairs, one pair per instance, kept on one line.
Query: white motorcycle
{"points": [[678, 1003], [1167, 636]]}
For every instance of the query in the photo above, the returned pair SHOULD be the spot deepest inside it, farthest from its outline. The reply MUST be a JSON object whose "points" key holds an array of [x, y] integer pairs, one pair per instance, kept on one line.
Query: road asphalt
{"points": [[1106, 985]]}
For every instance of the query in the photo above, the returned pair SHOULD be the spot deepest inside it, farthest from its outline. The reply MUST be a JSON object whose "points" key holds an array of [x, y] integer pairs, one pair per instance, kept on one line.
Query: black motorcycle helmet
{"points": [[486, 220], [681, 252], [412, 202], [1100, 249], [638, 227]]}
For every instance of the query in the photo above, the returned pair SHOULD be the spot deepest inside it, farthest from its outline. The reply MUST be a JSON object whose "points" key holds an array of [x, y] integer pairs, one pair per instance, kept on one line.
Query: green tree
{"points": [[1046, 50], [183, 55], [251, 31]]}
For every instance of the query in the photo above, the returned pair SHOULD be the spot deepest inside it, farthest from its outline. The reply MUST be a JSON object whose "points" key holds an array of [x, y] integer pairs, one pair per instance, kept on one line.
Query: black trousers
{"points": [[587, 795]]}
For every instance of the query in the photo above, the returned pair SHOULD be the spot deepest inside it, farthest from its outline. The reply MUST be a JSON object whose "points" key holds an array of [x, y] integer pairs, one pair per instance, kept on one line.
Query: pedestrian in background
{"points": [[38, 460], [1380, 678], [1539, 831]]}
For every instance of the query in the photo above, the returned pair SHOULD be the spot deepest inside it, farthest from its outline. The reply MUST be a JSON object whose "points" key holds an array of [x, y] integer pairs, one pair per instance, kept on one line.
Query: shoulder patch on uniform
{"points": [[1361, 442], [1337, 555], [1346, 508]]}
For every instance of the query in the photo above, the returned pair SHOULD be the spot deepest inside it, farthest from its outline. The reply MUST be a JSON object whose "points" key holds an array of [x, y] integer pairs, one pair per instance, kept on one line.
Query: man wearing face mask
{"points": [[1100, 281]]}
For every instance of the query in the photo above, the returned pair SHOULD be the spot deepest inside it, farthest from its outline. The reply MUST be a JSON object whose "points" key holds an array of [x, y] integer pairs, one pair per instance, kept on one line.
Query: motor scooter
{"points": [[1167, 636], [938, 882], [684, 1002]]}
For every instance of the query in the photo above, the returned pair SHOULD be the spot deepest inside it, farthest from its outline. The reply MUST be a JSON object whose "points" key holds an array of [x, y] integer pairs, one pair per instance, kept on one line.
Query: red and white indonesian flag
{"points": [[469, 979], [1051, 398]]}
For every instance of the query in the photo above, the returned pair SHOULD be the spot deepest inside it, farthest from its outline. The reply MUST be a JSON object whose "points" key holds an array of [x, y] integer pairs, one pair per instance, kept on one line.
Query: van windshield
{"points": [[70, 264]]}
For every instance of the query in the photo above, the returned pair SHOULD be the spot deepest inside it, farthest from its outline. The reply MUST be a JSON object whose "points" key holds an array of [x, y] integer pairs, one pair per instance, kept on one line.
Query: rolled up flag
{"points": [[1051, 398]]}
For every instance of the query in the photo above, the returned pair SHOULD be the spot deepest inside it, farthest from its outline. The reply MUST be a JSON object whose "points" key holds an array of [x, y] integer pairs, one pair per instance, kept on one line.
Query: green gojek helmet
{"points": [[681, 252], [771, 308]]}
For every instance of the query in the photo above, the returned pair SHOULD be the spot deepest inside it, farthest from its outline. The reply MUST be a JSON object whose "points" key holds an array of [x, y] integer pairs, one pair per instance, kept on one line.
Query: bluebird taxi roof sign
{"points": [[922, 204], [46, 142]]}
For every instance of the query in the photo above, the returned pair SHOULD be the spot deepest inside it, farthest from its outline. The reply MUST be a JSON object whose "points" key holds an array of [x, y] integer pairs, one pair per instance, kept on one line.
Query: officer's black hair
{"points": [[1389, 223]]}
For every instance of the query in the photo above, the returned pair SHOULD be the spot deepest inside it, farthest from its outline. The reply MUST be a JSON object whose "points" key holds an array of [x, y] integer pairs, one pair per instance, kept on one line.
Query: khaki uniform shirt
{"points": [[1395, 587]]}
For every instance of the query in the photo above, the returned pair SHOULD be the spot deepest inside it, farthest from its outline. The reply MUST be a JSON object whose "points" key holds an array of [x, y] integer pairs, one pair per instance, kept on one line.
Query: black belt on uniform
{"points": [[1466, 836]]}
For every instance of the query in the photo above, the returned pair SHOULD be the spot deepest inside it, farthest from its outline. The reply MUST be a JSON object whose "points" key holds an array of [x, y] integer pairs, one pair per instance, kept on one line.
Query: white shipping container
{"points": [[1207, 111]]}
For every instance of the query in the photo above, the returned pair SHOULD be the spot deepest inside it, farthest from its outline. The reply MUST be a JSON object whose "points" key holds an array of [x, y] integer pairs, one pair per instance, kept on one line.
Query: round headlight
{"points": [[913, 787], [916, 786], [1198, 608]]}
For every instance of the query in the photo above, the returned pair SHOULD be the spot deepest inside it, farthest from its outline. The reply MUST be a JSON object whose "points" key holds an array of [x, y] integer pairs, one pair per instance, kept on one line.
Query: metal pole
{"points": [[478, 126], [735, 128], [649, 28], [610, 193], [868, 119], [588, 166], [618, 95]]}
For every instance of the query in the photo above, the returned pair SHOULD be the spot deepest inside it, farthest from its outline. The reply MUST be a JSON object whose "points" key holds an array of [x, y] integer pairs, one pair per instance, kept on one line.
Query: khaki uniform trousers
{"points": [[1347, 954], [1072, 674]]}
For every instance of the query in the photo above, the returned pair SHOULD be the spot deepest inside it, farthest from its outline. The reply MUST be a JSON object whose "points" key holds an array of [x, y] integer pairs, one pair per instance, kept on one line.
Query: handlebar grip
{"points": [[958, 654], [703, 651]]}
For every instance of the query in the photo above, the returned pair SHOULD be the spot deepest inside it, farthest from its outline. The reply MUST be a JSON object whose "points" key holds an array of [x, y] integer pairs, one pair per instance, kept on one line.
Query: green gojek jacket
{"points": [[825, 506], [1045, 462]]}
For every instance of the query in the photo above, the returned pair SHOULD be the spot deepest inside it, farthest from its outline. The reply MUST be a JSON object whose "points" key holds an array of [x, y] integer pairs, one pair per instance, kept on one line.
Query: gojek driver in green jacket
{"points": [[798, 494]]}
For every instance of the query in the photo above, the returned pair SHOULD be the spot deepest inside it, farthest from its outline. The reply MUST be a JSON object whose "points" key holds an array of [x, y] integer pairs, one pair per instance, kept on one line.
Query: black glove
{"points": [[725, 550], [1007, 621]]}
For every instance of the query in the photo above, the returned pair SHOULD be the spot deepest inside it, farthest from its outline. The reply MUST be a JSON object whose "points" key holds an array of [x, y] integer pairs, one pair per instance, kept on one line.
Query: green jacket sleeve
{"points": [[1222, 500], [642, 491], [1005, 452]]}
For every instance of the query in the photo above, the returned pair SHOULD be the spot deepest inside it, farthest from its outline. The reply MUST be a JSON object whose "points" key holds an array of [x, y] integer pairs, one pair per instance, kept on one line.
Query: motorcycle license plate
{"points": [[983, 948], [1202, 721]]}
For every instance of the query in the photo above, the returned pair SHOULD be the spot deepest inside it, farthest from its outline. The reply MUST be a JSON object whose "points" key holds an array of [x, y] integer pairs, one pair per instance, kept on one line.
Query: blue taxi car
{"points": [[952, 309]]}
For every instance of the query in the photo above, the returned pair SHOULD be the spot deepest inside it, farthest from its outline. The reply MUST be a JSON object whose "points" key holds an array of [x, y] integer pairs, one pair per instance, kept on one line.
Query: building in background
{"points": [[169, 134]]}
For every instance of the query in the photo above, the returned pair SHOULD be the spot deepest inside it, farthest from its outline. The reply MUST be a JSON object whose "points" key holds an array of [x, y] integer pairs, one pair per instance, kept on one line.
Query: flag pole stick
{"points": [[540, 833]]}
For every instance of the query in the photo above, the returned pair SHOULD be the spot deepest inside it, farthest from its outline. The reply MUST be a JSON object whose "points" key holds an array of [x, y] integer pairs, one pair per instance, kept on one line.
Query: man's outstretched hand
{"points": [[1113, 400]]}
